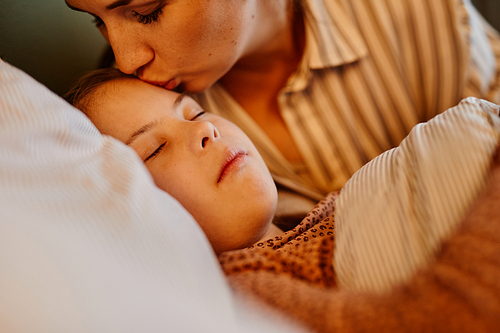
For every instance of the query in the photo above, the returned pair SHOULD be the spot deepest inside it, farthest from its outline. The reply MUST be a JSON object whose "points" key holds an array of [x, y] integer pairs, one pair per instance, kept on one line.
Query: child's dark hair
{"points": [[82, 92]]}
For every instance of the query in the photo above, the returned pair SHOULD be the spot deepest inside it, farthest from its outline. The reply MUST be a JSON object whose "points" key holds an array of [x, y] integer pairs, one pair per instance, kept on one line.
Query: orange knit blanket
{"points": [[304, 253], [458, 292]]}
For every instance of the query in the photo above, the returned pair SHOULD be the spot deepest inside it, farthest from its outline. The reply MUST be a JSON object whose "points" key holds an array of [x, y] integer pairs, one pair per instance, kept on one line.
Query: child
{"points": [[204, 161], [212, 168], [387, 230]]}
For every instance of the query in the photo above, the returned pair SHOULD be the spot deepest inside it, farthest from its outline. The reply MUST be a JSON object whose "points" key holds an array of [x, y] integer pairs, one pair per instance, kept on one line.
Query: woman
{"points": [[308, 79]]}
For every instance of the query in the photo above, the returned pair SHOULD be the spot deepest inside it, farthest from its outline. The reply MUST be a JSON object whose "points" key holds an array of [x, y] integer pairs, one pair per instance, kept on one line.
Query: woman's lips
{"points": [[234, 159], [170, 85]]}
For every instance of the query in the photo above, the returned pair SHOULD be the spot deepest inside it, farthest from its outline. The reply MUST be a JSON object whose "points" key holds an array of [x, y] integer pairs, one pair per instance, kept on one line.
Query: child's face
{"points": [[204, 161]]}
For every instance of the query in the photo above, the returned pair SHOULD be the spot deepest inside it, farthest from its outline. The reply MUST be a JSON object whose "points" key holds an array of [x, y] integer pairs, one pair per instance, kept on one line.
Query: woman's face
{"points": [[204, 161], [192, 43]]}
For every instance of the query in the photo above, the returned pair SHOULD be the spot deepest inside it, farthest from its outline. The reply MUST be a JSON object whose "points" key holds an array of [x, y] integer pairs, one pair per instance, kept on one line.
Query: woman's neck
{"points": [[273, 52], [257, 78]]}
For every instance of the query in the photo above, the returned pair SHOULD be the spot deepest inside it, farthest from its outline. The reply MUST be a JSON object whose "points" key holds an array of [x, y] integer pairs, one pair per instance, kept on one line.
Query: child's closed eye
{"points": [[156, 152], [160, 148], [198, 115]]}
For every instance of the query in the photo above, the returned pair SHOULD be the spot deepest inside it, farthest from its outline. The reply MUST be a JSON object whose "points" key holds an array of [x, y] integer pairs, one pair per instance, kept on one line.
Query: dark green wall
{"points": [[490, 10], [49, 41]]}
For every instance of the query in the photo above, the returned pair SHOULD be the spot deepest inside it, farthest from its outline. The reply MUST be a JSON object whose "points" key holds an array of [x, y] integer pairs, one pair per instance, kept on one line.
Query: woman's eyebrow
{"points": [[149, 126], [118, 3], [74, 8], [111, 6]]}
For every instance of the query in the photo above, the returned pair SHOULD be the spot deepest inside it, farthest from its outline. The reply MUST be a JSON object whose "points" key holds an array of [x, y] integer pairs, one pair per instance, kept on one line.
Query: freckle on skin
{"points": [[209, 54]]}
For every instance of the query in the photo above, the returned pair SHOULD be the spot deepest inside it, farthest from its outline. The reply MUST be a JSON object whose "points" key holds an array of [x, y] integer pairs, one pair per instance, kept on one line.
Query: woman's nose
{"points": [[131, 53]]}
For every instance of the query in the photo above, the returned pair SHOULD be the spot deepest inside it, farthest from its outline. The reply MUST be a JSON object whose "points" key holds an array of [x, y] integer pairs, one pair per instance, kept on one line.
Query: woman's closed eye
{"points": [[149, 18], [143, 19], [156, 152]]}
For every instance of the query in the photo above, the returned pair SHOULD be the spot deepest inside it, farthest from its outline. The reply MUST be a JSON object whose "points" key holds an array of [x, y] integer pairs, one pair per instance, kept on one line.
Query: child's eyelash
{"points": [[156, 152], [148, 19], [198, 115]]}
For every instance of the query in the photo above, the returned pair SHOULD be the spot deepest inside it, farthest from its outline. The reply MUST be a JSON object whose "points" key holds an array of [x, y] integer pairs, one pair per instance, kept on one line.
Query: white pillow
{"points": [[87, 242]]}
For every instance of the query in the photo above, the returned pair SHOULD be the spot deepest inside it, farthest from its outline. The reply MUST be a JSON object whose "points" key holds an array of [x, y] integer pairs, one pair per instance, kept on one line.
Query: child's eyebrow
{"points": [[149, 126], [146, 128]]}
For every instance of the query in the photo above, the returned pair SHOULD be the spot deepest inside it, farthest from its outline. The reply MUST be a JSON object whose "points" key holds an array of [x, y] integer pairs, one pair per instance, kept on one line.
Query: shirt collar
{"points": [[332, 37]]}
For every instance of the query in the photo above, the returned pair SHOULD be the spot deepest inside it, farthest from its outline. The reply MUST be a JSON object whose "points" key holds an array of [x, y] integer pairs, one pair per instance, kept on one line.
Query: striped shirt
{"points": [[371, 70]]}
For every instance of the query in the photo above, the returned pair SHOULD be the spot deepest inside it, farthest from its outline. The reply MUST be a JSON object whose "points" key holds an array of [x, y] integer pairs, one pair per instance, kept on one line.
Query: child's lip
{"points": [[234, 157]]}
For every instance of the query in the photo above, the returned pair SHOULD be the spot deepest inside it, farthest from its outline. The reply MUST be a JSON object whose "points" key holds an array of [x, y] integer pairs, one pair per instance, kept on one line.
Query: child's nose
{"points": [[206, 133]]}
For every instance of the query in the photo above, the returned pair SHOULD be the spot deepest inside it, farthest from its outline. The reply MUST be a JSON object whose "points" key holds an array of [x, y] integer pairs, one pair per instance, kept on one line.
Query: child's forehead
{"points": [[136, 88], [112, 89], [119, 84], [131, 95]]}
